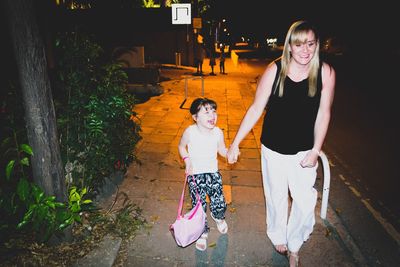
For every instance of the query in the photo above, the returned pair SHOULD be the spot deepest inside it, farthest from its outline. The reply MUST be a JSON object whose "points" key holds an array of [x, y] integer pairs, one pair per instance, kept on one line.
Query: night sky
{"points": [[357, 22]]}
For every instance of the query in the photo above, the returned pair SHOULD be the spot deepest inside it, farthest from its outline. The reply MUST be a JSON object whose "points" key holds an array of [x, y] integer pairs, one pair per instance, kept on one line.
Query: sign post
{"points": [[181, 14]]}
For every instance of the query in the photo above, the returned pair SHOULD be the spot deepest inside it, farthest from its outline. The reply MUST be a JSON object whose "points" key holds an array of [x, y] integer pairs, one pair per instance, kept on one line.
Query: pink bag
{"points": [[188, 228]]}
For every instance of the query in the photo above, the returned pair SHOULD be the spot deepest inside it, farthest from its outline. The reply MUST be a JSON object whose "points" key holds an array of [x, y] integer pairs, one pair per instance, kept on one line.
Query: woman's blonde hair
{"points": [[297, 34]]}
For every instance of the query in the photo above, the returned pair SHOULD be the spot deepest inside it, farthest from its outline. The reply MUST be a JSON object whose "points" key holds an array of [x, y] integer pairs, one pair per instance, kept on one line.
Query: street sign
{"points": [[197, 23], [181, 13]]}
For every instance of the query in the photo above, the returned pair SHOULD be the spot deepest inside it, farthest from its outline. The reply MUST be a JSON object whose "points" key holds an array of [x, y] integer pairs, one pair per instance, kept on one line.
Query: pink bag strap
{"points": [[183, 196]]}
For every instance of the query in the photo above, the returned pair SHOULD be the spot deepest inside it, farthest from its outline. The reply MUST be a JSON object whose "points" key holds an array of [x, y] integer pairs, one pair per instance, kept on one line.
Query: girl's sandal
{"points": [[201, 243], [295, 257], [221, 225]]}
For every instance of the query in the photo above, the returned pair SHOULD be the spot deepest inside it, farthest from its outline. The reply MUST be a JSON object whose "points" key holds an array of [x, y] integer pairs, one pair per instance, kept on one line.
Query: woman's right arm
{"points": [[255, 111]]}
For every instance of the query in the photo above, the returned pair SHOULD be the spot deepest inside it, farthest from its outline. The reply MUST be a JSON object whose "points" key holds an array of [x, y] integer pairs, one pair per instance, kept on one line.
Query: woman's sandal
{"points": [[201, 243], [221, 225], [295, 257]]}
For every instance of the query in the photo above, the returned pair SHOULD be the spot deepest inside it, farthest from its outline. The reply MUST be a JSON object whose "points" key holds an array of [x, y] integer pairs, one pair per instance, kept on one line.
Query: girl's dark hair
{"points": [[201, 102]]}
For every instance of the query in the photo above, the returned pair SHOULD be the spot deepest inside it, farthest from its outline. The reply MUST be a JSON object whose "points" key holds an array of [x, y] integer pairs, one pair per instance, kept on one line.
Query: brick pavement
{"points": [[155, 184]]}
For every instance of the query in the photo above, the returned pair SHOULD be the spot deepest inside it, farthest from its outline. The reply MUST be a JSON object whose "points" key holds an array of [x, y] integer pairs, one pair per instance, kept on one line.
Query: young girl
{"points": [[198, 147]]}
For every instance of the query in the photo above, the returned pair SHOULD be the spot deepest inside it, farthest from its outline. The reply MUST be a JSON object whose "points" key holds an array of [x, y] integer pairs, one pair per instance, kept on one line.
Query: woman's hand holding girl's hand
{"points": [[233, 154]]}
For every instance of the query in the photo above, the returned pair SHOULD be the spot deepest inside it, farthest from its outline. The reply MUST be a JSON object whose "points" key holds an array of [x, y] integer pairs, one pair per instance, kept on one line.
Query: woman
{"points": [[297, 92]]}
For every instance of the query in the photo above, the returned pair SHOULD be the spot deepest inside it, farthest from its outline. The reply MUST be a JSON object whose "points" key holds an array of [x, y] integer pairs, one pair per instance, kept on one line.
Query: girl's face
{"points": [[303, 50], [206, 118]]}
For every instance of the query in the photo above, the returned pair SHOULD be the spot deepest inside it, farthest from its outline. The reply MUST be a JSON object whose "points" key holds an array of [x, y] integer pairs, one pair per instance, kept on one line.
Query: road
{"points": [[364, 133]]}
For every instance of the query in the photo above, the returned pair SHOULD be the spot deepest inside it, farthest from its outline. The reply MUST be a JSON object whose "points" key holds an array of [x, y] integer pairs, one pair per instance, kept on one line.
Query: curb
{"points": [[102, 256], [340, 233]]}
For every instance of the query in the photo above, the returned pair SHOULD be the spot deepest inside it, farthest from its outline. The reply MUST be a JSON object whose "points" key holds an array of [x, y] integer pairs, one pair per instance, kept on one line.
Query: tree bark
{"points": [[37, 98]]}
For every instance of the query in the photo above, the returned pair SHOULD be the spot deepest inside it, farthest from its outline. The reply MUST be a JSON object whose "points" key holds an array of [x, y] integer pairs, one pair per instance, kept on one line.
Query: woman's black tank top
{"points": [[289, 121]]}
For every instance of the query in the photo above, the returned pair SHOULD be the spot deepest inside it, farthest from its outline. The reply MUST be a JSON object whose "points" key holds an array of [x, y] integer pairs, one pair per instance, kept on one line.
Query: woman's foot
{"points": [[221, 225], [281, 248], [201, 243], [293, 259]]}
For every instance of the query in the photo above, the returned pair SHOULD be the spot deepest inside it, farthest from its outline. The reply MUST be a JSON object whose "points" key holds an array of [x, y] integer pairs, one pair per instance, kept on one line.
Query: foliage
{"points": [[27, 203], [127, 219], [94, 111], [96, 224], [47, 216], [148, 3], [97, 134], [14, 164]]}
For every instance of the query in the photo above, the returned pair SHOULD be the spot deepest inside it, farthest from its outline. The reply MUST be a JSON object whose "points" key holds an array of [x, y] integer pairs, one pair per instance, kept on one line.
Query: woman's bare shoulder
{"points": [[328, 75], [327, 69], [271, 69]]}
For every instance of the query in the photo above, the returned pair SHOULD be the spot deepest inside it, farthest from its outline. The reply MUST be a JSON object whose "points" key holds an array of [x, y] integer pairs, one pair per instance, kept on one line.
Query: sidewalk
{"points": [[155, 185]]}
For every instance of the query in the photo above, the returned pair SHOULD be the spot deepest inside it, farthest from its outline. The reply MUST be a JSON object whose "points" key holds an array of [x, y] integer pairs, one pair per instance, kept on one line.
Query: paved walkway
{"points": [[155, 185]]}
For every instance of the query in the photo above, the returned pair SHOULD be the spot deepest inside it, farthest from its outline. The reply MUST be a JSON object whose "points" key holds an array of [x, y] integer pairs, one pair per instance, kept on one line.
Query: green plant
{"points": [[48, 216], [15, 172], [128, 218], [94, 111], [27, 202], [43, 213], [76, 202], [98, 134]]}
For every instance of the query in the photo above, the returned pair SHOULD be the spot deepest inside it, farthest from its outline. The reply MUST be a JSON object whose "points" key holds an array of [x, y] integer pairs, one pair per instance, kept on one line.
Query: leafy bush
{"points": [[95, 115], [98, 134], [27, 203], [47, 216], [13, 160]]}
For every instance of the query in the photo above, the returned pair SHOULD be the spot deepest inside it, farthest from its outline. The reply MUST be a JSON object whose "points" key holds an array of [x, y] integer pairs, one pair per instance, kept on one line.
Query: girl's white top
{"points": [[203, 149]]}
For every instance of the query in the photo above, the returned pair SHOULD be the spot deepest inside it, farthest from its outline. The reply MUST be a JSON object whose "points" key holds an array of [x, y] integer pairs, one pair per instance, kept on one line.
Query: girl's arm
{"points": [[222, 150], [182, 148]]}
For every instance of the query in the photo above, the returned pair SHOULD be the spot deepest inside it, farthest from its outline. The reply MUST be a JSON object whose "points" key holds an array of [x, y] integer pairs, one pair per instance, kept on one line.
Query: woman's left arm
{"points": [[325, 106], [323, 115]]}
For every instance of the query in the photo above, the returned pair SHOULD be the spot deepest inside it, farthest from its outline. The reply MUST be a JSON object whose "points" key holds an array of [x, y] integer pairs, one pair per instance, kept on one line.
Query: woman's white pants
{"points": [[283, 174]]}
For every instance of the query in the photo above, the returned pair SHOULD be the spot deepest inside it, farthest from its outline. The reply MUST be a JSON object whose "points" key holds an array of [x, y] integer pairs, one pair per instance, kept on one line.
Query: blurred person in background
{"points": [[212, 62], [200, 54], [222, 60]]}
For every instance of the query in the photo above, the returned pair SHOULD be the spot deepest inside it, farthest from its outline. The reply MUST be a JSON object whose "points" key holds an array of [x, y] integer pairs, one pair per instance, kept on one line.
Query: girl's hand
{"points": [[310, 160], [233, 154], [188, 167]]}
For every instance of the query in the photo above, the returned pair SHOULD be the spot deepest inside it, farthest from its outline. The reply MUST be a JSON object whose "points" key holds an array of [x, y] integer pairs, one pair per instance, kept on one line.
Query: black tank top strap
{"points": [[319, 80], [278, 70]]}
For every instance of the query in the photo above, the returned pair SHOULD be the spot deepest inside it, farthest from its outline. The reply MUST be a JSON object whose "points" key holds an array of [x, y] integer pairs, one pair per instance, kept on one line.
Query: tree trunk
{"points": [[37, 98]]}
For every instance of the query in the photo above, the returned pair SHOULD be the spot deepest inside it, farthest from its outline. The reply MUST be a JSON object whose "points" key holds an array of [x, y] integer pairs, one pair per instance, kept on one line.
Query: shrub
{"points": [[95, 115]]}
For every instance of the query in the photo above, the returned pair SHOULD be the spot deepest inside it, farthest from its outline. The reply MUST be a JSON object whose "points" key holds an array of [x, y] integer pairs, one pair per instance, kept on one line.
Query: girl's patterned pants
{"points": [[208, 184]]}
